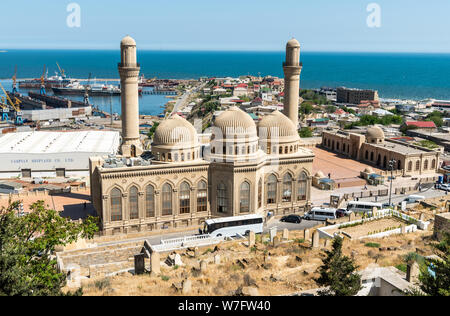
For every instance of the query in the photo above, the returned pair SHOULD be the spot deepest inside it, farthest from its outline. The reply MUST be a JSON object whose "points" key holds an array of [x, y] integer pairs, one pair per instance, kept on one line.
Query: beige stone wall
{"points": [[442, 224]]}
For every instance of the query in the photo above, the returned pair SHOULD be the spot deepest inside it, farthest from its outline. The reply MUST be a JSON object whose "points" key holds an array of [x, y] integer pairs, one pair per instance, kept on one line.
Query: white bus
{"points": [[233, 226], [363, 207], [321, 214]]}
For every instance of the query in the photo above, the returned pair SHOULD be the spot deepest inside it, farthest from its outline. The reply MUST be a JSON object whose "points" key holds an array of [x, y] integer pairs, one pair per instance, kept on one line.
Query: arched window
{"points": [[302, 187], [202, 197], [417, 165], [399, 166], [272, 189], [260, 193], [167, 199], [287, 188], [150, 201], [185, 198], [371, 156], [182, 156], [244, 204], [367, 155], [116, 205], [134, 208], [425, 167], [410, 164], [433, 164], [385, 162], [222, 200]]}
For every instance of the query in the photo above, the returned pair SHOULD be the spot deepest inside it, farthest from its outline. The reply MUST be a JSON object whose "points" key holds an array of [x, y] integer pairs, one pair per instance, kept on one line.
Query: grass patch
{"points": [[299, 240], [165, 278], [372, 245], [402, 267], [102, 284]]}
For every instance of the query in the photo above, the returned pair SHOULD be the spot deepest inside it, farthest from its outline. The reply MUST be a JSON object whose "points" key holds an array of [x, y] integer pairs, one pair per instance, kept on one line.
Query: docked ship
{"points": [[50, 83], [76, 88]]}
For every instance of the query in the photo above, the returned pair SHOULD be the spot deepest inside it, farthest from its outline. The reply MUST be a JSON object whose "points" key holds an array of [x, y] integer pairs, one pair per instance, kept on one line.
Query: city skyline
{"points": [[322, 26]]}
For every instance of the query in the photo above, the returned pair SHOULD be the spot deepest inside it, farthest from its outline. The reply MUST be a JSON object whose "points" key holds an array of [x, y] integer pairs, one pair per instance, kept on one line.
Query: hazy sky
{"points": [[320, 25]]}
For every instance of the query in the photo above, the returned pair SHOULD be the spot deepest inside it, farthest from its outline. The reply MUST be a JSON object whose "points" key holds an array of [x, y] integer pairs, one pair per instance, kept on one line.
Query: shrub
{"points": [[372, 245]]}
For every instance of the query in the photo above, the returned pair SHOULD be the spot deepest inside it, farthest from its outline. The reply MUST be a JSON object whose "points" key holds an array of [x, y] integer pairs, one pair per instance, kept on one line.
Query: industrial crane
{"points": [[5, 109], [43, 92], [15, 106], [14, 84], [61, 71]]}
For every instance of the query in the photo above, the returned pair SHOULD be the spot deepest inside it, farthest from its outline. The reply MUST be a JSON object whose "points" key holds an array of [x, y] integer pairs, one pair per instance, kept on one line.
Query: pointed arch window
{"points": [[167, 200], [202, 197], [272, 189], [245, 197], [287, 188], [302, 187], [150, 201], [185, 198], [222, 200], [133, 202], [116, 205], [260, 193]]}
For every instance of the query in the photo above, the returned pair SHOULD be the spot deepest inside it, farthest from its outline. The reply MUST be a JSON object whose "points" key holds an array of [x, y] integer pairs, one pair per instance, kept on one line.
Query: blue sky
{"points": [[320, 25]]}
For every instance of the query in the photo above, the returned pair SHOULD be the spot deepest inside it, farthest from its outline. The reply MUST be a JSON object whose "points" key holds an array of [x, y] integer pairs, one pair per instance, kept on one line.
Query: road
{"points": [[181, 102]]}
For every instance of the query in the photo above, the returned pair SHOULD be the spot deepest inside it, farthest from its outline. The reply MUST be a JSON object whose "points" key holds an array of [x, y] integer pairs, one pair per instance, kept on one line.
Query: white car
{"points": [[445, 187]]}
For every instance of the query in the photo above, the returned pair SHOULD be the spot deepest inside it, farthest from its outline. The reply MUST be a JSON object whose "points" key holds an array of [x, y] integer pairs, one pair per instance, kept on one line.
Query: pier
{"points": [[160, 92]]}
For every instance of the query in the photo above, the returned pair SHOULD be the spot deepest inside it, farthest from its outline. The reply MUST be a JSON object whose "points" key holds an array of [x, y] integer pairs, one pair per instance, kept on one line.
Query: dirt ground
{"points": [[287, 269]]}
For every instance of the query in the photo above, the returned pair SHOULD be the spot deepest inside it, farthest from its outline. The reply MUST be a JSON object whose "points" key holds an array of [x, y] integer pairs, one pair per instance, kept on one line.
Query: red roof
{"points": [[242, 85], [281, 94], [421, 124], [339, 112]]}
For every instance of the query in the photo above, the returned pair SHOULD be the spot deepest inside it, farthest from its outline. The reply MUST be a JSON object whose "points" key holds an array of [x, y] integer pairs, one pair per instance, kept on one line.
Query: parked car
{"points": [[342, 212], [444, 187], [292, 219]]}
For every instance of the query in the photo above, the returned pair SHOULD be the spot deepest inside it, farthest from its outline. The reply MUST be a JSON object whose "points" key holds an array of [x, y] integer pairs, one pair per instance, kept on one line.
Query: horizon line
{"points": [[6, 50]]}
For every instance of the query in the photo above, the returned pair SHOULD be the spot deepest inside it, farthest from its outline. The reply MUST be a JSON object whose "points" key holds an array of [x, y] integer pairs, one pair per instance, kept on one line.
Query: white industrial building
{"points": [[53, 154]]}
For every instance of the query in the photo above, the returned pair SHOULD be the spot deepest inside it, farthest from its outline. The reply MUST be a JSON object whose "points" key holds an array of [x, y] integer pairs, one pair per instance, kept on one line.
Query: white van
{"points": [[363, 207], [320, 214], [414, 199]]}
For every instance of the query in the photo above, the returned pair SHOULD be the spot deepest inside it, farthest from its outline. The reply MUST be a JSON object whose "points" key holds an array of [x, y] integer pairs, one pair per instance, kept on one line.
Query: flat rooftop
{"points": [[60, 142], [403, 149]]}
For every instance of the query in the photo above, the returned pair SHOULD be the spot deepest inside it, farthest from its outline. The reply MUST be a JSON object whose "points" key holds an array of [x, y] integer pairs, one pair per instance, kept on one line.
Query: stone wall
{"points": [[441, 225]]}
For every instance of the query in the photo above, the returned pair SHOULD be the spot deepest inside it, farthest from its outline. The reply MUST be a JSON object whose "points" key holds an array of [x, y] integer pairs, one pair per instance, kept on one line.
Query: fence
{"points": [[188, 242]]}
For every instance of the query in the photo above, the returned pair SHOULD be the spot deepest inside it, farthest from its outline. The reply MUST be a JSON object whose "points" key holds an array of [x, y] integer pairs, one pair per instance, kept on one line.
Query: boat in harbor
{"points": [[76, 88], [50, 82]]}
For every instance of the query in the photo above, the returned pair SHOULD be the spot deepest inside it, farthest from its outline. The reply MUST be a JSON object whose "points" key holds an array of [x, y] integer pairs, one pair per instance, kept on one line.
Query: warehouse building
{"points": [[53, 154]]}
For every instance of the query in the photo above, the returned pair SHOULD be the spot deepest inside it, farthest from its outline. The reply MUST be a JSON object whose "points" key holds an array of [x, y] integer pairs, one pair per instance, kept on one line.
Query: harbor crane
{"points": [[14, 83], [43, 92], [61, 71], [15, 106], [86, 92], [5, 109]]}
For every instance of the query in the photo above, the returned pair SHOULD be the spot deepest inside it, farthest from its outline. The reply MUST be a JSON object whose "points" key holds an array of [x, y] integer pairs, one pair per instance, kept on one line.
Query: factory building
{"points": [[53, 154], [246, 168]]}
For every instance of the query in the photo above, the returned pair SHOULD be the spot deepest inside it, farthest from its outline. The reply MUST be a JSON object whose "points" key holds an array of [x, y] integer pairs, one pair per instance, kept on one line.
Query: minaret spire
{"points": [[292, 69]]}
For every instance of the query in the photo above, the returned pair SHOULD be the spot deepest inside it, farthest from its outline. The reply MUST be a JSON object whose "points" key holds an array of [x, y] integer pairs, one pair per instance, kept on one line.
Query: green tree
{"points": [[437, 281], [27, 246], [306, 108], [305, 132], [338, 273], [152, 130]]}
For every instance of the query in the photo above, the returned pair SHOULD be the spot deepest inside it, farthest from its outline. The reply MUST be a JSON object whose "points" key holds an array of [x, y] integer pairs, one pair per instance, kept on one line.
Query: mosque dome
{"points": [[319, 175], [175, 131], [368, 170], [235, 122], [128, 41], [375, 133], [293, 43], [276, 124]]}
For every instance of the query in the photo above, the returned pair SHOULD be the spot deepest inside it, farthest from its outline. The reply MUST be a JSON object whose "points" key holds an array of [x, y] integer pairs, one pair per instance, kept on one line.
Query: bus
{"points": [[363, 207], [321, 214], [233, 226]]}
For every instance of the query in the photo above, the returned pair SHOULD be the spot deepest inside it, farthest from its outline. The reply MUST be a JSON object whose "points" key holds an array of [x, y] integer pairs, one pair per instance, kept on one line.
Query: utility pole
{"points": [[392, 164]]}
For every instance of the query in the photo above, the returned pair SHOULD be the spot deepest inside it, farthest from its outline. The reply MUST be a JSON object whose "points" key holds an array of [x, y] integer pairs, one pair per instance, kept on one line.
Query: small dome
{"points": [[319, 175], [293, 43], [128, 41], [175, 131], [375, 132], [368, 170], [235, 121], [278, 124]]}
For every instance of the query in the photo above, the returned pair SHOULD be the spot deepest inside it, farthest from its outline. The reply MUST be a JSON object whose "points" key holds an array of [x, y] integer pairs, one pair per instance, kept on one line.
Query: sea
{"points": [[413, 76]]}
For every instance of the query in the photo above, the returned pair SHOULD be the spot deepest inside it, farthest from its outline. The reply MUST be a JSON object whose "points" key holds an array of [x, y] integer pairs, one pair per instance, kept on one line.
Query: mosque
{"points": [[246, 168]]}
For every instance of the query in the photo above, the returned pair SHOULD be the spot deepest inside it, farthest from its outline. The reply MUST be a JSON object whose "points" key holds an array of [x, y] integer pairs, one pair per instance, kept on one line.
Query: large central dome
{"points": [[175, 131], [234, 121]]}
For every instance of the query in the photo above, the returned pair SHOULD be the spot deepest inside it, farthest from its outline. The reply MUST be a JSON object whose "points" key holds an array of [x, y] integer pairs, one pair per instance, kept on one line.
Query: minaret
{"points": [[292, 69], [129, 75]]}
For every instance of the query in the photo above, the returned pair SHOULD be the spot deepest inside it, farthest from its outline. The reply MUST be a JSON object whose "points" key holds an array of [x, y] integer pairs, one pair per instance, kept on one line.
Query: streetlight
{"points": [[392, 164]]}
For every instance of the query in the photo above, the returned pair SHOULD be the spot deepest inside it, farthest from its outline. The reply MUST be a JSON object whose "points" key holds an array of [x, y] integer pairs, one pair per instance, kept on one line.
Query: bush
{"points": [[372, 245]]}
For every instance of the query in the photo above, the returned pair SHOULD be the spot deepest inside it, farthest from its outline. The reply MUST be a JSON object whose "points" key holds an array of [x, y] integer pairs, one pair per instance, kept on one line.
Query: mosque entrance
{"points": [[133, 151]]}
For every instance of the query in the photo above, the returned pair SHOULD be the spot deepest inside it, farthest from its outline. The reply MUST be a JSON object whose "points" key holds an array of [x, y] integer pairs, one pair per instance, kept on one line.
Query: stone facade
{"points": [[375, 150], [441, 225]]}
